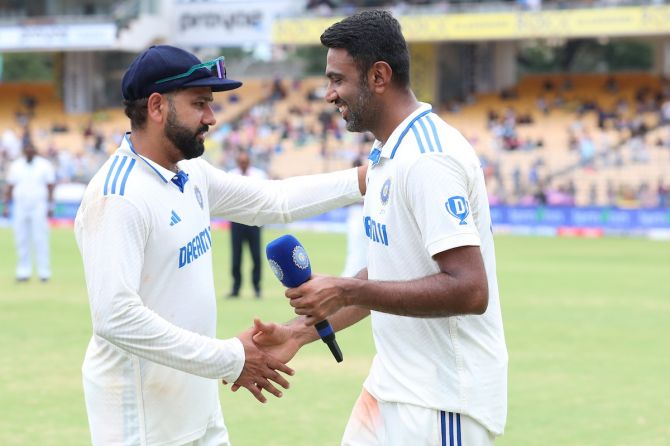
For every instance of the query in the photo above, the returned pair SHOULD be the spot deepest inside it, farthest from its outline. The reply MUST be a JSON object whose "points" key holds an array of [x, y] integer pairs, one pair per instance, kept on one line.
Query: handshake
{"points": [[268, 347]]}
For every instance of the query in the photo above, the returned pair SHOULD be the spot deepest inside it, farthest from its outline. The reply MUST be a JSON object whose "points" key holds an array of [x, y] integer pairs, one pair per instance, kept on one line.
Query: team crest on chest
{"points": [[198, 196], [385, 192]]}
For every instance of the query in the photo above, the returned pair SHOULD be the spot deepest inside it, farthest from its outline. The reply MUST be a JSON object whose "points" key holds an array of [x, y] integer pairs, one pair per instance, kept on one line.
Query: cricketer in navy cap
{"points": [[164, 68]]}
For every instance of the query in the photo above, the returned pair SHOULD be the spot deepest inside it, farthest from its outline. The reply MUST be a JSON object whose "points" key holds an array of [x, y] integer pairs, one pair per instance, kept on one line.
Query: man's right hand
{"points": [[280, 340], [259, 370]]}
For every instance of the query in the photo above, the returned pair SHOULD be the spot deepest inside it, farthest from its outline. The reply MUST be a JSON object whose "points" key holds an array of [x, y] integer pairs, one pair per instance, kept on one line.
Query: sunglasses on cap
{"points": [[217, 66]]}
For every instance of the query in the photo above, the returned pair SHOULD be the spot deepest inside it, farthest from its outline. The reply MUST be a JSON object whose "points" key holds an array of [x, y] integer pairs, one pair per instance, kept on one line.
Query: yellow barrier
{"points": [[597, 22]]}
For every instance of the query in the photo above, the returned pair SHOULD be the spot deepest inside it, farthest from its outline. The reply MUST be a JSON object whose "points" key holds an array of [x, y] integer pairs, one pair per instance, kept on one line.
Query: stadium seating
{"points": [[296, 142]]}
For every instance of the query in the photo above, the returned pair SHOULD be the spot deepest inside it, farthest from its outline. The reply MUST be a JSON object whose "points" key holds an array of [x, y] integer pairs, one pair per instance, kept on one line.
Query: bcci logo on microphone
{"points": [[300, 258], [274, 266]]}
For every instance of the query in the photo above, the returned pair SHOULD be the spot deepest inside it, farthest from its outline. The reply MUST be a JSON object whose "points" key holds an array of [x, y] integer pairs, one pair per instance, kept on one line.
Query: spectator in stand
{"points": [[10, 144], [665, 112], [646, 196], [612, 194], [587, 151], [663, 193], [321, 7], [593, 194], [611, 85], [567, 85], [548, 85], [540, 194], [637, 143], [516, 181], [571, 190], [278, 90], [29, 103], [542, 105]]}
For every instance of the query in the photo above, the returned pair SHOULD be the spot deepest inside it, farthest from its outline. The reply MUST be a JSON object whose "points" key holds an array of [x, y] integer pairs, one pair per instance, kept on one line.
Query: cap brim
{"points": [[214, 83]]}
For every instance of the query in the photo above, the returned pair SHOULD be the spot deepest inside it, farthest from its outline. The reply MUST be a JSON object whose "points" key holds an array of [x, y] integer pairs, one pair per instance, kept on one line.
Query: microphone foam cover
{"points": [[289, 261]]}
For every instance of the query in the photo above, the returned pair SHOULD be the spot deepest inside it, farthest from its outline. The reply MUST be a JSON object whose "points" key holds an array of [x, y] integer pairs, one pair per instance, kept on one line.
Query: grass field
{"points": [[587, 326]]}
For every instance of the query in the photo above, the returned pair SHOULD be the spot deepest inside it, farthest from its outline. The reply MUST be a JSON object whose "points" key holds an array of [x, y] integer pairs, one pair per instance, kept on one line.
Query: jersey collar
{"points": [[161, 171], [380, 150]]}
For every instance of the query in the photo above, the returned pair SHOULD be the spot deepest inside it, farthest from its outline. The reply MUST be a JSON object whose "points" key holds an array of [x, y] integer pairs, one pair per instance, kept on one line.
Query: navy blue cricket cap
{"points": [[164, 68]]}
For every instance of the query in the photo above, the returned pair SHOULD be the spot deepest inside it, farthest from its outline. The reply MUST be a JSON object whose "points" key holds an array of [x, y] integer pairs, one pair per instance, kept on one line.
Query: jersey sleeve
{"points": [[255, 201], [111, 233], [436, 189]]}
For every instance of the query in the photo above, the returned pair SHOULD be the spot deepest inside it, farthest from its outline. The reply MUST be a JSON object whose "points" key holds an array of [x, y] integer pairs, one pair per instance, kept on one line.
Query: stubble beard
{"points": [[361, 119]]}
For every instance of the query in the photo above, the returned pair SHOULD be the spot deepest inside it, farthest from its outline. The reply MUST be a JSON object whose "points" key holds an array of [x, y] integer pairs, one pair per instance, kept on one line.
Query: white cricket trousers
{"points": [[381, 423], [31, 232]]}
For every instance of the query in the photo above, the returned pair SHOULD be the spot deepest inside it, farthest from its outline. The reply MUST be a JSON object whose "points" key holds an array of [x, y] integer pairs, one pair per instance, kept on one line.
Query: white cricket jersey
{"points": [[425, 195], [30, 180], [152, 365]]}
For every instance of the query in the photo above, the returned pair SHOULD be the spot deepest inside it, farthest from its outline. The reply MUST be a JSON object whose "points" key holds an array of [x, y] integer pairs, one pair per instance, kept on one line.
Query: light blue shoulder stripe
{"points": [[109, 174], [425, 133], [404, 132], [125, 177], [418, 139], [437, 138], [118, 172]]}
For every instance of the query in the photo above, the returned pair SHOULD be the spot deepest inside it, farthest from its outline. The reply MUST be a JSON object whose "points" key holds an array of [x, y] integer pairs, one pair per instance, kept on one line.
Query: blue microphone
{"points": [[288, 260]]}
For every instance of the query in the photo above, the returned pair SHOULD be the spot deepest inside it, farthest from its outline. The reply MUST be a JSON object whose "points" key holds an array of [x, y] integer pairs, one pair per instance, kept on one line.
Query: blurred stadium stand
{"points": [[588, 128]]}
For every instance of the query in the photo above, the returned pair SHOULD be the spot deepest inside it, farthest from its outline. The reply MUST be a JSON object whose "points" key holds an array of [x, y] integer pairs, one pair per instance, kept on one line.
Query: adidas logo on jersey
{"points": [[174, 219]]}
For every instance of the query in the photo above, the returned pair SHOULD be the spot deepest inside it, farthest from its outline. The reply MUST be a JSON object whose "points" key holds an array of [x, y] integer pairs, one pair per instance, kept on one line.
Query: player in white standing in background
{"points": [[30, 184], [143, 229], [440, 373]]}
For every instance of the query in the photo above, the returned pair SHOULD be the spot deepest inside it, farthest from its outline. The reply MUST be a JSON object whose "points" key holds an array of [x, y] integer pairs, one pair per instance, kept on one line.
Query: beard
{"points": [[184, 139], [362, 113]]}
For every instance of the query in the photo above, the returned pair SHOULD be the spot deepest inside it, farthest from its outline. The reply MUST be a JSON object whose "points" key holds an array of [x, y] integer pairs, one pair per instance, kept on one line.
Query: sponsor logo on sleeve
{"points": [[459, 208]]}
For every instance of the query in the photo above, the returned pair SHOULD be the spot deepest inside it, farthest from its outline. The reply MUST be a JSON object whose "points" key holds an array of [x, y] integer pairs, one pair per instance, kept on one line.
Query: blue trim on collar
{"points": [[132, 149], [180, 179], [374, 156], [404, 132]]}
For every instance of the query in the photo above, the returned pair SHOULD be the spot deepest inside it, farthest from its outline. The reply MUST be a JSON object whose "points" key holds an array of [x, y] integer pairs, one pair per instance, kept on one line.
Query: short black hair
{"points": [[137, 112], [371, 36]]}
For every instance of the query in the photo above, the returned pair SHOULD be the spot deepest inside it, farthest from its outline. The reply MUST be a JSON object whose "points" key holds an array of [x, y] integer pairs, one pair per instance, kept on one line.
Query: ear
{"points": [[379, 76], [157, 108]]}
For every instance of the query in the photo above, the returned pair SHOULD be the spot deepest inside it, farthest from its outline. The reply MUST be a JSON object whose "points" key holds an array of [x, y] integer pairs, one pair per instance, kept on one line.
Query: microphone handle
{"points": [[327, 335]]}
